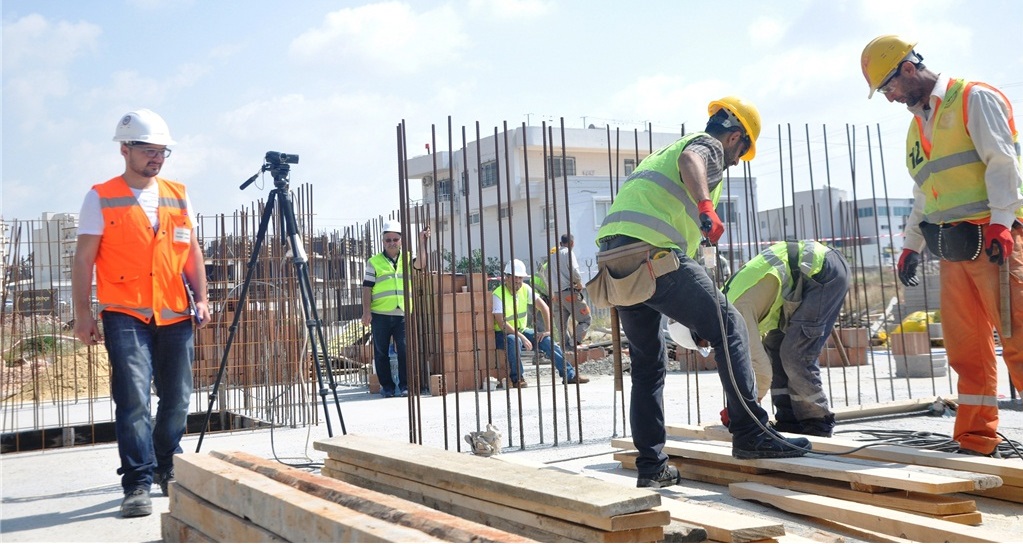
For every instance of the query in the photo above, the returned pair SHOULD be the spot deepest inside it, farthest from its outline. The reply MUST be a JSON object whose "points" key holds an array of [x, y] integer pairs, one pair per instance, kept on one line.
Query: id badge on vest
{"points": [[182, 235]]}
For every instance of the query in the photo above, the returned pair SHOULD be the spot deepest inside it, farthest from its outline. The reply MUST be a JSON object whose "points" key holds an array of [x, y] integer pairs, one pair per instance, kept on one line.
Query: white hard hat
{"points": [[392, 226], [516, 268], [143, 126], [682, 336]]}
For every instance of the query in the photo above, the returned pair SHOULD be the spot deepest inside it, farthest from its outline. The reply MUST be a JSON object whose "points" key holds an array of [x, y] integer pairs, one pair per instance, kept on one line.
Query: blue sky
{"points": [[330, 80]]}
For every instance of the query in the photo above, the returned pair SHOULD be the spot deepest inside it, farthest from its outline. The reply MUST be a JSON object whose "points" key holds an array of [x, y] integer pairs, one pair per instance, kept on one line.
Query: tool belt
{"points": [[627, 275], [954, 241]]}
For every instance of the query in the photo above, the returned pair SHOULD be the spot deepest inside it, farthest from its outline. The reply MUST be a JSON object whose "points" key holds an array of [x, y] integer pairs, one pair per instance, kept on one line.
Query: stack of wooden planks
{"points": [[898, 491], [541, 504], [237, 497]]}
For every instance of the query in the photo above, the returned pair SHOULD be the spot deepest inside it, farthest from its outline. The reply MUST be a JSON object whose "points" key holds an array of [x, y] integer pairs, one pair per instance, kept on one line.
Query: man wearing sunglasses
{"points": [[136, 229], [383, 307], [963, 153]]}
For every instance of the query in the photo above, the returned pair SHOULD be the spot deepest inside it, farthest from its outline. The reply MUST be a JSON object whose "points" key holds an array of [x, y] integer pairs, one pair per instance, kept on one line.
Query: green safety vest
{"points": [[654, 205], [774, 261], [389, 290], [516, 307], [947, 168]]}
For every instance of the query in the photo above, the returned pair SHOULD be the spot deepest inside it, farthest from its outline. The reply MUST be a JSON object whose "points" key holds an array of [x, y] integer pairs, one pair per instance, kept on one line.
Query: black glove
{"points": [[908, 262]]}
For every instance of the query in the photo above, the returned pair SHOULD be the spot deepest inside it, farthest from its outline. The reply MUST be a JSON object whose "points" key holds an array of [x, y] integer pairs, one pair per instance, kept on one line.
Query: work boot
{"points": [[136, 503], [824, 426], [787, 427], [520, 384], [668, 476], [577, 379], [995, 454], [769, 446], [163, 479]]}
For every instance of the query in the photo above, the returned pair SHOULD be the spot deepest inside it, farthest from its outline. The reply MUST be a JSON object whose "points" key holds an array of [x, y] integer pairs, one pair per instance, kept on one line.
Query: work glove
{"points": [[710, 223], [999, 243], [908, 262]]}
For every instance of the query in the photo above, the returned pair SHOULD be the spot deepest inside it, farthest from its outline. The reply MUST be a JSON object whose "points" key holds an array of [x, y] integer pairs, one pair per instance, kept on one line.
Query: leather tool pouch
{"points": [[954, 242], [628, 274]]}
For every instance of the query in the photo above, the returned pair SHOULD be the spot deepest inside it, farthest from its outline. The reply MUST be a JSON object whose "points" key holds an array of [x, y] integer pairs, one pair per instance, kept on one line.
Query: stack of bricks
{"points": [[856, 342], [912, 354], [463, 327]]}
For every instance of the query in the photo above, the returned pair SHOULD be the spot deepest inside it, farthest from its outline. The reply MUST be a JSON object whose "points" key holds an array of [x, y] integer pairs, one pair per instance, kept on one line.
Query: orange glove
{"points": [[999, 243], [710, 223]]}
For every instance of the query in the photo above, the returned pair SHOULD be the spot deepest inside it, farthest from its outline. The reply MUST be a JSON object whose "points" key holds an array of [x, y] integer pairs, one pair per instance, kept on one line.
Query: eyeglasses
{"points": [[392, 240], [152, 152], [886, 87]]}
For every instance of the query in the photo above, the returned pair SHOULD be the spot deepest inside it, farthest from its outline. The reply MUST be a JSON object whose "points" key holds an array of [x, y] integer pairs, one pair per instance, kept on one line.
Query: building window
{"points": [[548, 218], [865, 212], [488, 174], [601, 207], [554, 166], [444, 188], [630, 165], [474, 218], [902, 210], [726, 211], [504, 213]]}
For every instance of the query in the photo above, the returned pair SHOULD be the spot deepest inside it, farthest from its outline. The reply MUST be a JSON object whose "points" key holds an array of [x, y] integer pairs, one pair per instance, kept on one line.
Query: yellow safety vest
{"points": [[774, 261], [389, 290], [516, 307], [947, 168], [654, 205]]}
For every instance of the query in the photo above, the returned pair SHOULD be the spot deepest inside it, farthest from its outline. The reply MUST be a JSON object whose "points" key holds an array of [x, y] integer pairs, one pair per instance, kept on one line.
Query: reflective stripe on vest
{"points": [[138, 271], [516, 308], [947, 168], [774, 261], [654, 205], [388, 293]]}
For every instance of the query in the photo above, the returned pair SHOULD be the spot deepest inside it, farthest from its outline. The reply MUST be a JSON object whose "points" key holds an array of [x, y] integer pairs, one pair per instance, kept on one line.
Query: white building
{"points": [[519, 214]]}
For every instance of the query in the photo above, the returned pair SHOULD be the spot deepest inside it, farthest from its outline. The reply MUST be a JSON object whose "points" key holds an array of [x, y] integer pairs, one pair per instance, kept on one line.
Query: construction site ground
{"points": [[73, 494]]}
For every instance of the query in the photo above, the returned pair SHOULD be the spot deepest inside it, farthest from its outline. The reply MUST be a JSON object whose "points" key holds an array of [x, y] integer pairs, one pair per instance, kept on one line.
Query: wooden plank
{"points": [[175, 530], [922, 503], [379, 505], [721, 525], [1009, 470], [885, 520], [215, 522], [969, 518], [527, 523], [822, 468], [1009, 493], [505, 483], [283, 510]]}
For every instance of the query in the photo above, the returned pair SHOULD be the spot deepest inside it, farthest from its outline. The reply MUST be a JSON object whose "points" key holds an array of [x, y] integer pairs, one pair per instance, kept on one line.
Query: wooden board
{"points": [[531, 524], [283, 510], [378, 505], [820, 468], [174, 530], [1009, 470], [1009, 493], [213, 521], [884, 520], [922, 503], [721, 525], [504, 483]]}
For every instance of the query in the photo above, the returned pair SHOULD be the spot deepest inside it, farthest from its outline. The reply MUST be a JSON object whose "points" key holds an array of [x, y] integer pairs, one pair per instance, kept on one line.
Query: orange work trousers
{"points": [[970, 309]]}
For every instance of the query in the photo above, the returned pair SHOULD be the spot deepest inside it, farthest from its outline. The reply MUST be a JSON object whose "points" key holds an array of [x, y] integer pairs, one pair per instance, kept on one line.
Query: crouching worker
{"points": [[790, 296], [511, 309]]}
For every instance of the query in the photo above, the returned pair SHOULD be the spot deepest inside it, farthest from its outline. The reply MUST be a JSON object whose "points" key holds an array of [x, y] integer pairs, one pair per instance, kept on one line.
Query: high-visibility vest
{"points": [[654, 205], [947, 168], [516, 307], [389, 290], [774, 261], [138, 271]]}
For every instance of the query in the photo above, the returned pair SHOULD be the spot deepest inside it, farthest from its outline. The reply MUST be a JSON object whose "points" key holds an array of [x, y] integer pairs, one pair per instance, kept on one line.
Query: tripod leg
{"points": [[264, 221]]}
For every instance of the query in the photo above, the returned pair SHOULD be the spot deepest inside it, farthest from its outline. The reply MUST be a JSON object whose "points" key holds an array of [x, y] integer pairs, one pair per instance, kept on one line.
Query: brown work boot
{"points": [[577, 379], [521, 384]]}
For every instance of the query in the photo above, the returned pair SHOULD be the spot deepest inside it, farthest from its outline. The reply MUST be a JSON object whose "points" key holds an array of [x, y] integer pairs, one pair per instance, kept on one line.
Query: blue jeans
{"points": [[384, 328], [142, 354], [688, 296], [511, 345], [796, 389]]}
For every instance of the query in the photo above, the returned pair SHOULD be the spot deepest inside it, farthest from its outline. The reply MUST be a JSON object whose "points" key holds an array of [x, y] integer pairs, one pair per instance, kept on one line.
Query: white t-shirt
{"points": [[90, 217]]}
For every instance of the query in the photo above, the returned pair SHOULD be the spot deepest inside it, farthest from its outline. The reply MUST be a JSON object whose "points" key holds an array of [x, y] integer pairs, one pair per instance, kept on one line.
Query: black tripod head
{"points": [[279, 166]]}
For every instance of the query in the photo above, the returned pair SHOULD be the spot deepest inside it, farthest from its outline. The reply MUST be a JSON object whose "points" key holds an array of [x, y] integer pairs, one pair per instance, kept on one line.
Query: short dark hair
{"points": [[566, 239], [715, 126]]}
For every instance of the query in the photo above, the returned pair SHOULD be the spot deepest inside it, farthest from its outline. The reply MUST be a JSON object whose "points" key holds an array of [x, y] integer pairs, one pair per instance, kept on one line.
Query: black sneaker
{"points": [[163, 480], [769, 446], [136, 503], [994, 454], [668, 476]]}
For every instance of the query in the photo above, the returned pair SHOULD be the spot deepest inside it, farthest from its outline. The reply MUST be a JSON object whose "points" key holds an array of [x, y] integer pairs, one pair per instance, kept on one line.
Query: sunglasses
{"points": [[886, 87]]}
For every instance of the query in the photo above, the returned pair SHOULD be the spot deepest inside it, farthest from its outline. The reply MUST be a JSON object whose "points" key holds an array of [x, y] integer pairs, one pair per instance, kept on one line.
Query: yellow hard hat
{"points": [[881, 57], [747, 115]]}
